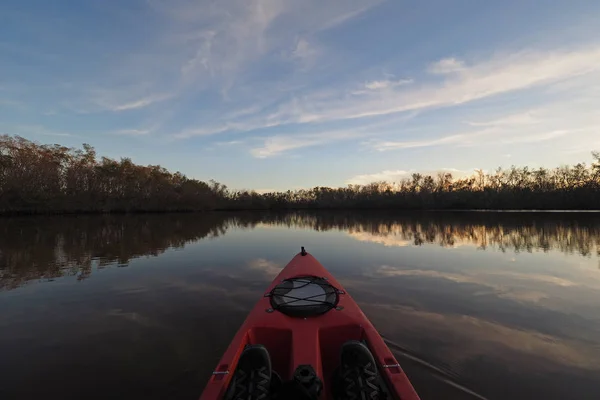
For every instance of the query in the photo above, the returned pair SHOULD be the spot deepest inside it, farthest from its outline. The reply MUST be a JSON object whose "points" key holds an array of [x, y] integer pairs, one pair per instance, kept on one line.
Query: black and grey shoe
{"points": [[358, 377], [252, 377]]}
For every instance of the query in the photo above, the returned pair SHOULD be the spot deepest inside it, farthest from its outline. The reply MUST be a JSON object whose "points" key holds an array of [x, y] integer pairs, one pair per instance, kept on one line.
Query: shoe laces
{"points": [[253, 386], [361, 380]]}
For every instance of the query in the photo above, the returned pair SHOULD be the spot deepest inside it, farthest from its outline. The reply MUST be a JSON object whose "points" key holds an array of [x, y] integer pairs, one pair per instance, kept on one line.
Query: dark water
{"points": [[496, 306]]}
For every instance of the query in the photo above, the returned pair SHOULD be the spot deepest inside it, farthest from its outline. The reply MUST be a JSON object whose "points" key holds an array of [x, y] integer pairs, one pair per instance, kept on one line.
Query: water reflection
{"points": [[51, 247], [566, 232], [490, 305]]}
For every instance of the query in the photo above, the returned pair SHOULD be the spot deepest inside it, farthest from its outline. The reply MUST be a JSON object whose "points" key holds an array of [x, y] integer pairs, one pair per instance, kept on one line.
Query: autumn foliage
{"points": [[37, 178]]}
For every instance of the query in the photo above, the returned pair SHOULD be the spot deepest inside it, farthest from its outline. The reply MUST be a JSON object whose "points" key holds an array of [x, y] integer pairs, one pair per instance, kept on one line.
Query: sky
{"points": [[287, 94]]}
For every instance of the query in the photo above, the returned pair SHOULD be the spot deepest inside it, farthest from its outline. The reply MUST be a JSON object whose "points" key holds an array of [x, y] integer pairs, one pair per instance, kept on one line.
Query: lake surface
{"points": [[474, 305]]}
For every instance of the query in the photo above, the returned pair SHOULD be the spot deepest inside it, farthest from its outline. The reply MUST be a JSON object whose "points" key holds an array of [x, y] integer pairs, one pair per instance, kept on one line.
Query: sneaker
{"points": [[252, 377], [358, 375]]}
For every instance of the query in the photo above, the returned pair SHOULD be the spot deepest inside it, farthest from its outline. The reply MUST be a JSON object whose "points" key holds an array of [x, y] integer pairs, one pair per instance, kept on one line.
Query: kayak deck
{"points": [[314, 340]]}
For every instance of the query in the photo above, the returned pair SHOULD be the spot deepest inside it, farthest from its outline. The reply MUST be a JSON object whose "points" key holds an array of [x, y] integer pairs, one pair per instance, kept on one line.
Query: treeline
{"points": [[37, 178], [563, 188]]}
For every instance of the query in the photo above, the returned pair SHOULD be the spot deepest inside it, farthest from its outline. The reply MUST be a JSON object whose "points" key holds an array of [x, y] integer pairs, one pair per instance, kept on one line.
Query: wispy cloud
{"points": [[549, 122], [446, 66], [199, 47], [132, 132], [538, 137], [303, 50], [187, 133], [216, 43], [230, 143], [497, 75], [218, 46], [458, 139], [386, 84], [492, 136], [385, 176], [530, 117], [461, 82], [138, 103], [274, 77], [277, 145], [353, 13], [225, 37], [141, 102]]}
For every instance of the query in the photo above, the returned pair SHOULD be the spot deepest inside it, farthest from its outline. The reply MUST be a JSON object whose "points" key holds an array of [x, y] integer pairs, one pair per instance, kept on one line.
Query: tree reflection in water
{"points": [[33, 248]]}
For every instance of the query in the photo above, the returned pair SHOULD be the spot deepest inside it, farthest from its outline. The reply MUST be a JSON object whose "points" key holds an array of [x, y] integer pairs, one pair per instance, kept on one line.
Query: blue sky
{"points": [[276, 94]]}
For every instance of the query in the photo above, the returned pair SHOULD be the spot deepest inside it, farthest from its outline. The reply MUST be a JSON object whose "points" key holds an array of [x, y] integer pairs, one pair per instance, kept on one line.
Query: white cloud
{"points": [[550, 122], [458, 139], [229, 143], [251, 110], [397, 175], [132, 132], [385, 176], [276, 145], [118, 99], [137, 103], [238, 126], [200, 58], [521, 118], [470, 82], [203, 46], [470, 139], [446, 66], [225, 37], [536, 138], [386, 84], [201, 132], [220, 41], [304, 51], [498, 75], [466, 83], [198, 49], [340, 19]]}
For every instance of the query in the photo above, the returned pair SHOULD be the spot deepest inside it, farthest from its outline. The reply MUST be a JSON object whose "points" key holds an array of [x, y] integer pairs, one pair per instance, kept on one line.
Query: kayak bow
{"points": [[303, 319]]}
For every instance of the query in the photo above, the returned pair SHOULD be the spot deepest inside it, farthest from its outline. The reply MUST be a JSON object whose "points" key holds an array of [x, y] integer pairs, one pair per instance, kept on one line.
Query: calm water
{"points": [[496, 306]]}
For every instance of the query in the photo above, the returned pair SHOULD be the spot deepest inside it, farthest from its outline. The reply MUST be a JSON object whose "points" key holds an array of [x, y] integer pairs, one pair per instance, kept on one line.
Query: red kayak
{"points": [[303, 320]]}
